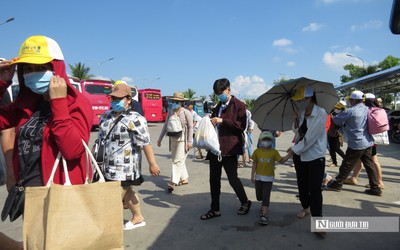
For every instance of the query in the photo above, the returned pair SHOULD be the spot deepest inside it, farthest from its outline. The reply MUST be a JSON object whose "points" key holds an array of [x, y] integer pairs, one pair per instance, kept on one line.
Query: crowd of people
{"points": [[50, 116]]}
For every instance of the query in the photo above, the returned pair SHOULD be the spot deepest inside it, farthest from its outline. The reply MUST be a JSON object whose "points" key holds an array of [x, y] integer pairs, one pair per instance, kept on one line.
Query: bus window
{"points": [[151, 101], [165, 103]]}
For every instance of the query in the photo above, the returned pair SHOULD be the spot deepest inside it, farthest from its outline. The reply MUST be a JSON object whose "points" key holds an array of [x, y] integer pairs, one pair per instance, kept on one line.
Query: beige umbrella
{"points": [[274, 109]]}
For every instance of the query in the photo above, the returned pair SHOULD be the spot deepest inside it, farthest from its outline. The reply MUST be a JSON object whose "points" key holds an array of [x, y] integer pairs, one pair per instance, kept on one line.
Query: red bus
{"points": [[151, 101], [165, 102], [96, 90]]}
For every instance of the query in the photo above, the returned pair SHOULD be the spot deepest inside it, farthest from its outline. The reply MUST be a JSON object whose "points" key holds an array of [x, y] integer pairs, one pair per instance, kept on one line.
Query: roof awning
{"points": [[382, 82]]}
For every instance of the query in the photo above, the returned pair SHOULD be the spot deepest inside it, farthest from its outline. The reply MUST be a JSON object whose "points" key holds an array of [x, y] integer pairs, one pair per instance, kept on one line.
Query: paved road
{"points": [[173, 219]]}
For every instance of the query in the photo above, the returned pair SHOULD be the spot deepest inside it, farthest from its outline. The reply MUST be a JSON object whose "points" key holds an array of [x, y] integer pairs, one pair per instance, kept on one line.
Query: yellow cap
{"points": [[302, 92], [39, 50], [340, 104], [120, 82]]}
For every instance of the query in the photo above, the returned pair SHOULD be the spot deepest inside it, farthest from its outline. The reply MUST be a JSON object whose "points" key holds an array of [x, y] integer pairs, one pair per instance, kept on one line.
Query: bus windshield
{"points": [[98, 89], [151, 101]]}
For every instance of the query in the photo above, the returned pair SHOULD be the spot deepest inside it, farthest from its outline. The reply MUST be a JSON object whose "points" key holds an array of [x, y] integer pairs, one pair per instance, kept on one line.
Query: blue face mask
{"points": [[38, 82], [223, 98], [118, 106], [172, 106]]}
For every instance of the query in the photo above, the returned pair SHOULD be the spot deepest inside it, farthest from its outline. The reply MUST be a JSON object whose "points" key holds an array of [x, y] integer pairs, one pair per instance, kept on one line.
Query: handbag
{"points": [[87, 216], [99, 145], [14, 204], [381, 138]]}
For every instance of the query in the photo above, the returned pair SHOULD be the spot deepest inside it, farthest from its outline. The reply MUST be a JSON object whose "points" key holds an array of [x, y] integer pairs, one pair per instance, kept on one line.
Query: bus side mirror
{"points": [[394, 23]]}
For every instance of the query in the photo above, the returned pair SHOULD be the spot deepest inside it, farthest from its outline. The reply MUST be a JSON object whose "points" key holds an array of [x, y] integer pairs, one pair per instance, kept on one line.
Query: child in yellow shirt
{"points": [[263, 171]]}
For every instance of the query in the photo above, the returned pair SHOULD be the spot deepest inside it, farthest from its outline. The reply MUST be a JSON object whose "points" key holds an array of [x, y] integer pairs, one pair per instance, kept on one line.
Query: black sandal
{"points": [[245, 208], [209, 215]]}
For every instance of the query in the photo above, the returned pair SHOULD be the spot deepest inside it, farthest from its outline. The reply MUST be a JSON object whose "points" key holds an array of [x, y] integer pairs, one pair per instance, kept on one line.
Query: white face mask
{"points": [[337, 111], [265, 144]]}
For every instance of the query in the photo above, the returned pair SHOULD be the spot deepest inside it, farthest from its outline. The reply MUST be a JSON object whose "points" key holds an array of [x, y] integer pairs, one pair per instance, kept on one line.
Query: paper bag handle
{"points": [[64, 163]]}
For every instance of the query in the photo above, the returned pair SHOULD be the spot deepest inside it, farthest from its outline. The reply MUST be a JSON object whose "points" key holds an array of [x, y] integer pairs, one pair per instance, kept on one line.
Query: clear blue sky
{"points": [[191, 43]]}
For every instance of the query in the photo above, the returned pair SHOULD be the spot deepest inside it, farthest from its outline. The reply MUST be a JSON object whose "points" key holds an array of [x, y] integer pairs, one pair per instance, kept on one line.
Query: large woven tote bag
{"points": [[88, 216]]}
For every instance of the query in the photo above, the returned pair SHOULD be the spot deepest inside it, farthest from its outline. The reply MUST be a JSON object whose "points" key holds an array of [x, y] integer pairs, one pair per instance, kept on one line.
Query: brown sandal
{"points": [[183, 182]]}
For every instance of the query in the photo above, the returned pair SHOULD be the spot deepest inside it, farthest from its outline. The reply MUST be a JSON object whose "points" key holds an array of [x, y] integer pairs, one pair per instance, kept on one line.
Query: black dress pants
{"points": [[230, 164], [309, 180]]}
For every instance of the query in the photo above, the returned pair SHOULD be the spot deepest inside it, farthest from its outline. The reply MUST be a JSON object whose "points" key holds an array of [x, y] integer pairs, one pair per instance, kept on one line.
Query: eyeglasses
{"points": [[177, 102]]}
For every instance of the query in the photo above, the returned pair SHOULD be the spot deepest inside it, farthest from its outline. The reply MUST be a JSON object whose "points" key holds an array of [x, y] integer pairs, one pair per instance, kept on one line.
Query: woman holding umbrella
{"points": [[309, 150]]}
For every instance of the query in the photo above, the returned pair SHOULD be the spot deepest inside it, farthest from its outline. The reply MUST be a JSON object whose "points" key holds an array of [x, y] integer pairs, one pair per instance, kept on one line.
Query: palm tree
{"points": [[189, 94], [214, 97], [80, 71]]}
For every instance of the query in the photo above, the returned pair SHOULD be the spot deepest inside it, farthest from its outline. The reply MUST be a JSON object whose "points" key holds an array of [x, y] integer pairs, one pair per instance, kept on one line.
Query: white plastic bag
{"points": [[206, 136], [381, 138]]}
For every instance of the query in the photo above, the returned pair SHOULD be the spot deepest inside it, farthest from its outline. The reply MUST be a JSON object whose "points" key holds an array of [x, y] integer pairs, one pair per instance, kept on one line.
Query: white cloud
{"points": [[355, 48], [291, 64], [249, 86], [289, 50], [282, 42], [276, 59], [372, 24], [312, 27], [127, 79], [337, 60]]}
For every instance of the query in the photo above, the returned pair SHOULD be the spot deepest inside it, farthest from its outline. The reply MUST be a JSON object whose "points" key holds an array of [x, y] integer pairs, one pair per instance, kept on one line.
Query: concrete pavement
{"points": [[173, 220]]}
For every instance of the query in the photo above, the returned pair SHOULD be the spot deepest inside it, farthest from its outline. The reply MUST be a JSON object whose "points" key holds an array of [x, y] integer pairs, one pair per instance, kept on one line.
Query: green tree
{"points": [[213, 98], [80, 70], [189, 94], [388, 62], [250, 103], [357, 72], [281, 80]]}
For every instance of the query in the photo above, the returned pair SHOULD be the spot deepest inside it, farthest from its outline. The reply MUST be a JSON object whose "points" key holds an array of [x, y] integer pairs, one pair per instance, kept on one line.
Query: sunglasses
{"points": [[116, 99]]}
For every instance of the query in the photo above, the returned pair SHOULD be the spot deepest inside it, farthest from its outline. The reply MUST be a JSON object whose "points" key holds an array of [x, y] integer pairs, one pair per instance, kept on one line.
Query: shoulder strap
{"points": [[115, 123]]}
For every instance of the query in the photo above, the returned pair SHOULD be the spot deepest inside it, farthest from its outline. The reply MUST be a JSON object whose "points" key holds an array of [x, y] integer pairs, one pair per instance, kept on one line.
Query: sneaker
{"points": [[373, 192], [263, 220], [334, 186], [332, 165]]}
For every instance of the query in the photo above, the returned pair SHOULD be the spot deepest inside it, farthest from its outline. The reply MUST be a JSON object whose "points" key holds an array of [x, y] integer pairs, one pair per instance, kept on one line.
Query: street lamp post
{"points": [[157, 78], [359, 58], [100, 63], [8, 20]]}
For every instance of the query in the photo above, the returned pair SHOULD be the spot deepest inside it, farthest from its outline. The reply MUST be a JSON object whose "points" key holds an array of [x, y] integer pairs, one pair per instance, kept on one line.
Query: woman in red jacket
{"points": [[49, 114]]}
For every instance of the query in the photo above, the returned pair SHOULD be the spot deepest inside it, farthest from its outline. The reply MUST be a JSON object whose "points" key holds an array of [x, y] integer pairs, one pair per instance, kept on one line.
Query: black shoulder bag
{"points": [[14, 204], [99, 149]]}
